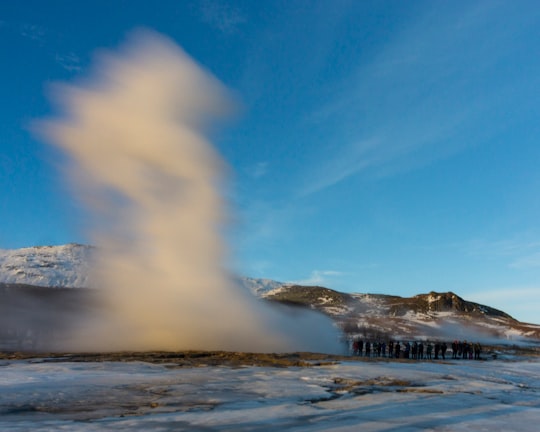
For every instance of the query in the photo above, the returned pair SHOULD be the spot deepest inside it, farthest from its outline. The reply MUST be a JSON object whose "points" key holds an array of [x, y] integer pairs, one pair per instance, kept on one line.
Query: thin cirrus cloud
{"points": [[41, 36], [519, 253], [70, 62], [318, 277], [521, 298], [424, 97], [32, 31], [223, 17], [260, 169], [526, 262]]}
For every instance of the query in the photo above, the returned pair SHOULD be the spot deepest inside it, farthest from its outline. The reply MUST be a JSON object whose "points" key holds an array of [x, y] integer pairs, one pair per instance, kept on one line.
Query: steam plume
{"points": [[140, 159]]}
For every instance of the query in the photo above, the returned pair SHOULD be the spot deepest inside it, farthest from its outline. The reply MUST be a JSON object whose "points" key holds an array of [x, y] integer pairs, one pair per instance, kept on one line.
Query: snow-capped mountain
{"points": [[68, 266], [47, 266], [372, 315], [260, 287]]}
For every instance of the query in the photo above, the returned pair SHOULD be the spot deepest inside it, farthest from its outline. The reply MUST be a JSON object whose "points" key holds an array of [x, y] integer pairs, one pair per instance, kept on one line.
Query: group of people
{"points": [[417, 350]]}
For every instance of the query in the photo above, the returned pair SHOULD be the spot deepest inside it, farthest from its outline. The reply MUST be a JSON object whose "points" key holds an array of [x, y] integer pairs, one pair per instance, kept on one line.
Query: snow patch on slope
{"points": [[49, 266], [260, 287], [70, 266]]}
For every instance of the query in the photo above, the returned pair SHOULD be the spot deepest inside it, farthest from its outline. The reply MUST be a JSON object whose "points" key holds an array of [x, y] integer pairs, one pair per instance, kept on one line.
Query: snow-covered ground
{"points": [[368, 396]]}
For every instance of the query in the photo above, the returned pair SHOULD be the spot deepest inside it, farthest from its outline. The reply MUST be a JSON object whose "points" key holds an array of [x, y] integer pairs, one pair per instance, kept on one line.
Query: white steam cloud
{"points": [[140, 159]]}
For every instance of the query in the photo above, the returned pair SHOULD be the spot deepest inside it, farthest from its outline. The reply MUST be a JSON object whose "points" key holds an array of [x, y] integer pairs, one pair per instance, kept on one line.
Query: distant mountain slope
{"points": [[25, 273], [433, 315], [68, 266], [442, 302], [326, 300], [259, 287]]}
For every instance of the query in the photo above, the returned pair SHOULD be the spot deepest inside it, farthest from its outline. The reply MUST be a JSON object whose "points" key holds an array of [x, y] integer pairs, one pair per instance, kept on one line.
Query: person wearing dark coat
{"points": [[477, 350], [444, 347], [455, 349], [437, 350]]}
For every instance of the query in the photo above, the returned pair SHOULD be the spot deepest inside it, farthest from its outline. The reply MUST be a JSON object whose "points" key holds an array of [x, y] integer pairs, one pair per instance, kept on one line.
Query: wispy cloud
{"points": [[221, 16], [521, 252], [509, 293], [42, 37], [318, 277], [521, 302], [70, 61], [36, 33], [526, 262], [352, 159], [506, 247], [32, 31], [258, 170], [417, 101], [520, 245]]}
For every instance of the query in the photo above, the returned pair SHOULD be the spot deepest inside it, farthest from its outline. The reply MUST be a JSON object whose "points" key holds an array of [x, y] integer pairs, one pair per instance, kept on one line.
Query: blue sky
{"points": [[383, 146]]}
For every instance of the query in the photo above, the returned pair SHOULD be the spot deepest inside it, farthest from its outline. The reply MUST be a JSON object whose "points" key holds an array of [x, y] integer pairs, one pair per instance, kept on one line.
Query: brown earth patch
{"points": [[188, 358]]}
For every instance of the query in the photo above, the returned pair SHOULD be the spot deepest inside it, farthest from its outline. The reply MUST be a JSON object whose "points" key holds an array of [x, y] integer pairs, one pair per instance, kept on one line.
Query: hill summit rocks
{"points": [[432, 315]]}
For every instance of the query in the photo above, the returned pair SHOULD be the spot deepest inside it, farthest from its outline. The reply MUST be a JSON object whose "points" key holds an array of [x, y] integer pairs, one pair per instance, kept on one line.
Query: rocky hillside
{"points": [[28, 276], [433, 315], [442, 302]]}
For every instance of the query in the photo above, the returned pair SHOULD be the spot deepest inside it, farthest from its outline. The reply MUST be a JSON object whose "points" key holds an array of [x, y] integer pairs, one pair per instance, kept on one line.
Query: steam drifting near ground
{"points": [[135, 136]]}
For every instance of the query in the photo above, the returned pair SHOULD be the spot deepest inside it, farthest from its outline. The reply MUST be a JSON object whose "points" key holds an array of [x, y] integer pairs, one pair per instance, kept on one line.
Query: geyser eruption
{"points": [[135, 137]]}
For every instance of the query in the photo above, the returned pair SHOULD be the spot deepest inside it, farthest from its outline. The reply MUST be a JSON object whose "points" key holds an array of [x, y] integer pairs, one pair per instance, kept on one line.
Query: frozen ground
{"points": [[464, 395]]}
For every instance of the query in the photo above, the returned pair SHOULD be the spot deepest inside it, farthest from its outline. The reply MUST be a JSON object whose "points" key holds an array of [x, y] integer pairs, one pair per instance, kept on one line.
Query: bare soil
{"points": [[188, 358], [238, 359]]}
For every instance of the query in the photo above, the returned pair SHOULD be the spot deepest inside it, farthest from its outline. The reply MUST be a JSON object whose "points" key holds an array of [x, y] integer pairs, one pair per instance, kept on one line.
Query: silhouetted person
{"points": [[444, 347], [355, 347], [455, 349], [477, 350]]}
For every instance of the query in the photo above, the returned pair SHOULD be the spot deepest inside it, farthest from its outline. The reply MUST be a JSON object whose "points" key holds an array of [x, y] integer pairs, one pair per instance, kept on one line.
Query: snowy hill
{"points": [[48, 266], [441, 315], [68, 266], [432, 315], [260, 287]]}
